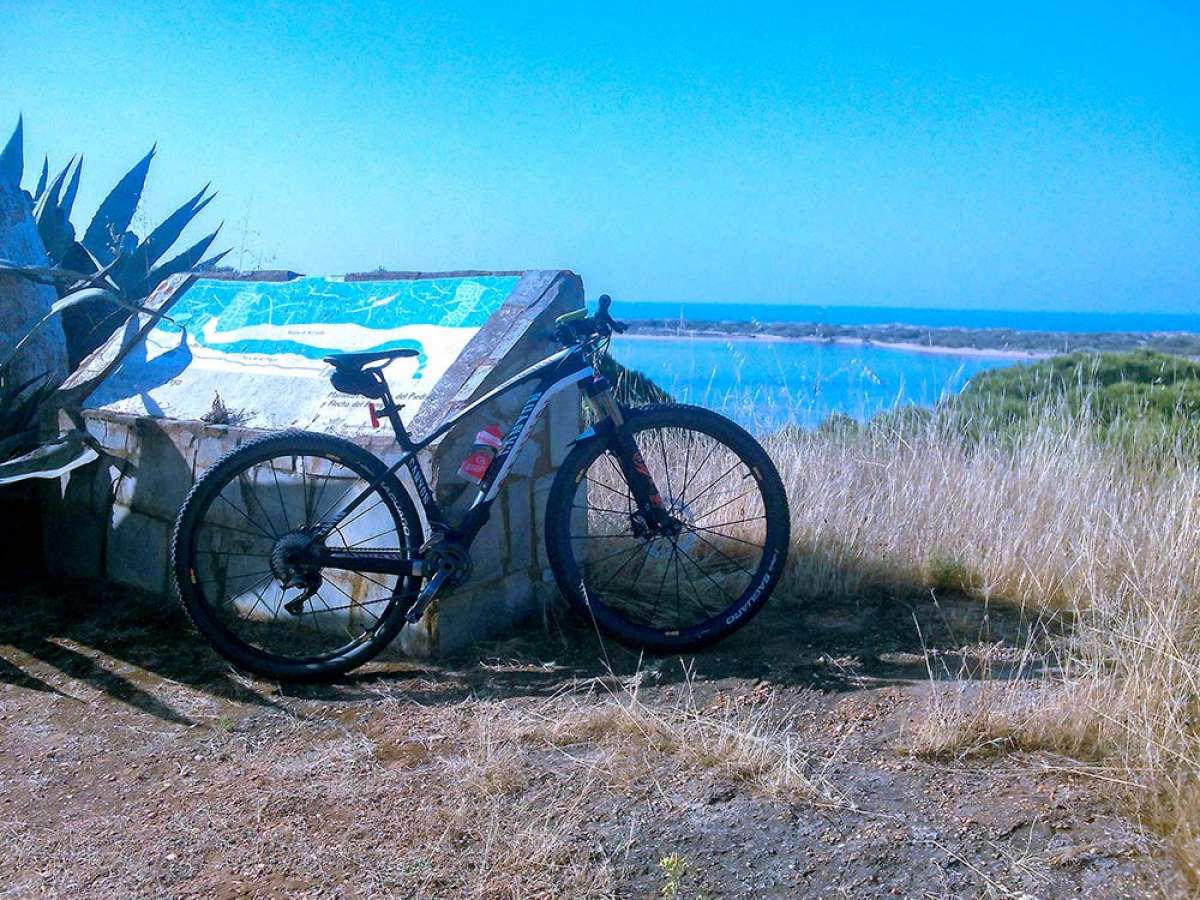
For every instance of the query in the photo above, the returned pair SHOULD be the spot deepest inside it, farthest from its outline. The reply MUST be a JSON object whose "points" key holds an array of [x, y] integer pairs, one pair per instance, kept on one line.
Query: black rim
{"points": [[671, 583], [242, 553]]}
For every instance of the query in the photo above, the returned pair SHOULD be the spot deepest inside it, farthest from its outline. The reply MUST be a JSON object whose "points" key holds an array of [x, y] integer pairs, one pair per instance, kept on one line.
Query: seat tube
{"points": [[392, 411]]}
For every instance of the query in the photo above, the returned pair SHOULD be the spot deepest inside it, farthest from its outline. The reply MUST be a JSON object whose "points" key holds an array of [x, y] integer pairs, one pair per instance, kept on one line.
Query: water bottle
{"points": [[487, 443]]}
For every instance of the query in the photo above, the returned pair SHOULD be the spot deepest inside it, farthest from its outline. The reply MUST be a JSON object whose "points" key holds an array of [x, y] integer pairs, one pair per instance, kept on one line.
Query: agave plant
{"points": [[99, 281], [133, 265]]}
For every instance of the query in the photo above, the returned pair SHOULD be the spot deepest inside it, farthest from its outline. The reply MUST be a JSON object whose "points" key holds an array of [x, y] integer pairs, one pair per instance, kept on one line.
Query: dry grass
{"points": [[745, 743], [1100, 541], [1097, 541]]}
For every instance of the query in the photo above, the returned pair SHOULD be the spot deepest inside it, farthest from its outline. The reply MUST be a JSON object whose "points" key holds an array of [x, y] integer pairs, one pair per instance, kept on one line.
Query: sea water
{"points": [[768, 384]]}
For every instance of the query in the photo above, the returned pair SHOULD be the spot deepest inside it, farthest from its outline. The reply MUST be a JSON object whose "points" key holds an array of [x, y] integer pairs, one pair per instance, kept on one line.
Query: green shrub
{"points": [[1141, 400]]}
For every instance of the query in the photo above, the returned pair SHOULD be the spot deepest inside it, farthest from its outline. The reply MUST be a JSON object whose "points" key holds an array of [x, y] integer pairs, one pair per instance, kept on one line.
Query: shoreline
{"points": [[905, 346]]}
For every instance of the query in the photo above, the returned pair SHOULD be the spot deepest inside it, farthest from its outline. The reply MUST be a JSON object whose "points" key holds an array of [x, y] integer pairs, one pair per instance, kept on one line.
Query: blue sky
{"points": [[906, 154]]}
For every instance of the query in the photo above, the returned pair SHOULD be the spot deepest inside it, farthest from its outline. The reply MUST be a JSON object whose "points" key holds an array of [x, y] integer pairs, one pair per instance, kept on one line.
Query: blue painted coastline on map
{"points": [[374, 305]]}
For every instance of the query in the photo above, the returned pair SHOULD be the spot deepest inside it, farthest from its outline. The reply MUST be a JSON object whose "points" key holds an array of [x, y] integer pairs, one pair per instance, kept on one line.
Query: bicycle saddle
{"points": [[354, 362]]}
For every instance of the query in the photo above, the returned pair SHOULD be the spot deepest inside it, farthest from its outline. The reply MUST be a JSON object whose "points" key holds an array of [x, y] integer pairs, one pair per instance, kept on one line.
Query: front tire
{"points": [[670, 593]]}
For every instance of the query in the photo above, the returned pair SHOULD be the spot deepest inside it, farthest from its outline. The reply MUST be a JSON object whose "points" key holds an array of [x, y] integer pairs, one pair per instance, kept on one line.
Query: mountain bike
{"points": [[300, 556]]}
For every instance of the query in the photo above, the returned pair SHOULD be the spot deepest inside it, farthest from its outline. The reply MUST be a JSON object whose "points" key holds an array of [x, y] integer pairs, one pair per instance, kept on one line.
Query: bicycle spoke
{"points": [[254, 494], [615, 512], [699, 569], [278, 490], [678, 611], [258, 536], [677, 502], [371, 538], [611, 555], [235, 553], [615, 573], [227, 576], [717, 480], [722, 552], [699, 469], [729, 537], [253, 524], [601, 484], [354, 603], [662, 446], [358, 515], [698, 602], [723, 505]]}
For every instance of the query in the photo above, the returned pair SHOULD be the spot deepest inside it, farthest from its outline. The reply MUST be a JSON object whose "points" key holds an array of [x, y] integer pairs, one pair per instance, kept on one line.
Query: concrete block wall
{"points": [[113, 518]]}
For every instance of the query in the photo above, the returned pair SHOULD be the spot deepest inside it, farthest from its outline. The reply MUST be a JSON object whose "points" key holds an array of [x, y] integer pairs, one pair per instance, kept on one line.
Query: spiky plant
{"points": [[108, 239], [631, 386]]}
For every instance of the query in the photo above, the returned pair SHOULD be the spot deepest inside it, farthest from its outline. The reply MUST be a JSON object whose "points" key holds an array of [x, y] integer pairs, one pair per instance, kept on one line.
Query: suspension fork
{"points": [[629, 457]]}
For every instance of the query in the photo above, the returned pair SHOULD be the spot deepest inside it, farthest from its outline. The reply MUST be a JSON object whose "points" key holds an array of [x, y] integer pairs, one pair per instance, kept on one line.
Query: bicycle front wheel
{"points": [[722, 557], [241, 527]]}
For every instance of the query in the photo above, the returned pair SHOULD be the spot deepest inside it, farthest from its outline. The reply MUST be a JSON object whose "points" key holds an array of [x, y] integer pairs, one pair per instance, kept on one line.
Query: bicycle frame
{"points": [[553, 374]]}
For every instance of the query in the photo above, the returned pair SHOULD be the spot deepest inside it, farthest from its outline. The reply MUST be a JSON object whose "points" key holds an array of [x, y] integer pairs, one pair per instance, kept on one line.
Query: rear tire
{"points": [[676, 593], [210, 544]]}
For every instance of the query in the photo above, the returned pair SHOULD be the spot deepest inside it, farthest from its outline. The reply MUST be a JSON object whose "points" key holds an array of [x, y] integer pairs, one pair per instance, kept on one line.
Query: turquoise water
{"points": [[1023, 320], [765, 385]]}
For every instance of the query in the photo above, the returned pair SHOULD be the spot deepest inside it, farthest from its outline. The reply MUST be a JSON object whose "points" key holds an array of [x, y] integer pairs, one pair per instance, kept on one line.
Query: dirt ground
{"points": [[134, 762]]}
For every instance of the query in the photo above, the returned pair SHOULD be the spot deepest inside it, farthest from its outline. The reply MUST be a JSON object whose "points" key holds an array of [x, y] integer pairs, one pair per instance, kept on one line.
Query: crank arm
{"points": [[425, 597]]}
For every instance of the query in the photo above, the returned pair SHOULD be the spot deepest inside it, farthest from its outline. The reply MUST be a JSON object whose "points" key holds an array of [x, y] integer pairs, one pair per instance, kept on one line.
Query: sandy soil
{"points": [[134, 762]]}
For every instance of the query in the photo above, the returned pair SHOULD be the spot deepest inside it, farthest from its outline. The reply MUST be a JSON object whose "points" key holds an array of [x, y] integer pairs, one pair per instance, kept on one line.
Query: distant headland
{"points": [[967, 341]]}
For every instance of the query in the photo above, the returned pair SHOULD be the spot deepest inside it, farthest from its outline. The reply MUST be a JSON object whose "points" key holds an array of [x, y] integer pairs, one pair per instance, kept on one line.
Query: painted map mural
{"points": [[259, 346]]}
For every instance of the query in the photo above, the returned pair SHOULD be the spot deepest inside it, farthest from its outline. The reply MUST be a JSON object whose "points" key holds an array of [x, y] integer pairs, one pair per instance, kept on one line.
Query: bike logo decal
{"points": [[758, 591]]}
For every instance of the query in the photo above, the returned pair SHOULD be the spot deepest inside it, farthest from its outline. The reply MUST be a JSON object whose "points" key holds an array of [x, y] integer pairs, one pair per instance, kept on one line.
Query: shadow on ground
{"points": [[122, 643]]}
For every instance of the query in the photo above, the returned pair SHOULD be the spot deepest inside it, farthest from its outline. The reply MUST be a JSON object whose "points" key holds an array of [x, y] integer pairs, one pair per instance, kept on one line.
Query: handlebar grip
{"points": [[573, 316]]}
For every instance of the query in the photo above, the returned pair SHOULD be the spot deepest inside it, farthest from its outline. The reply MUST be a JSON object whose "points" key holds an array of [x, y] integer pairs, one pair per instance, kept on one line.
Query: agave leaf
{"points": [[51, 459], [41, 185], [53, 224], [68, 199], [211, 263], [103, 235], [77, 259], [14, 442], [57, 308], [133, 275], [185, 261], [12, 158], [19, 408], [50, 195]]}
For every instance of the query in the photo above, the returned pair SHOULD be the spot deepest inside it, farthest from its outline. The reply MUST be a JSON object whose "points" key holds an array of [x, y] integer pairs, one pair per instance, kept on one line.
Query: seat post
{"points": [[392, 411]]}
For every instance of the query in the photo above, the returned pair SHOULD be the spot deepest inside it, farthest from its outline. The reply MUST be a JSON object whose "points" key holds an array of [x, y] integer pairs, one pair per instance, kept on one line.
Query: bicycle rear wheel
{"points": [[684, 590], [236, 536]]}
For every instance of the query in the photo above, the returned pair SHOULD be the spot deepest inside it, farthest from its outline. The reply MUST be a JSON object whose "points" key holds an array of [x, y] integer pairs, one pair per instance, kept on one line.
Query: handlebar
{"points": [[578, 326]]}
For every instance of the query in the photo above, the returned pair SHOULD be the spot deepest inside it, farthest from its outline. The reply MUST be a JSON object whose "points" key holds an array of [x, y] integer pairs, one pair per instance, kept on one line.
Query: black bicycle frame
{"points": [[553, 374]]}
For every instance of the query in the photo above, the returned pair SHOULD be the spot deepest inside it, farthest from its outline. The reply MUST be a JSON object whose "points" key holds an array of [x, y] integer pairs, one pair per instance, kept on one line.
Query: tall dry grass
{"points": [[1061, 522]]}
